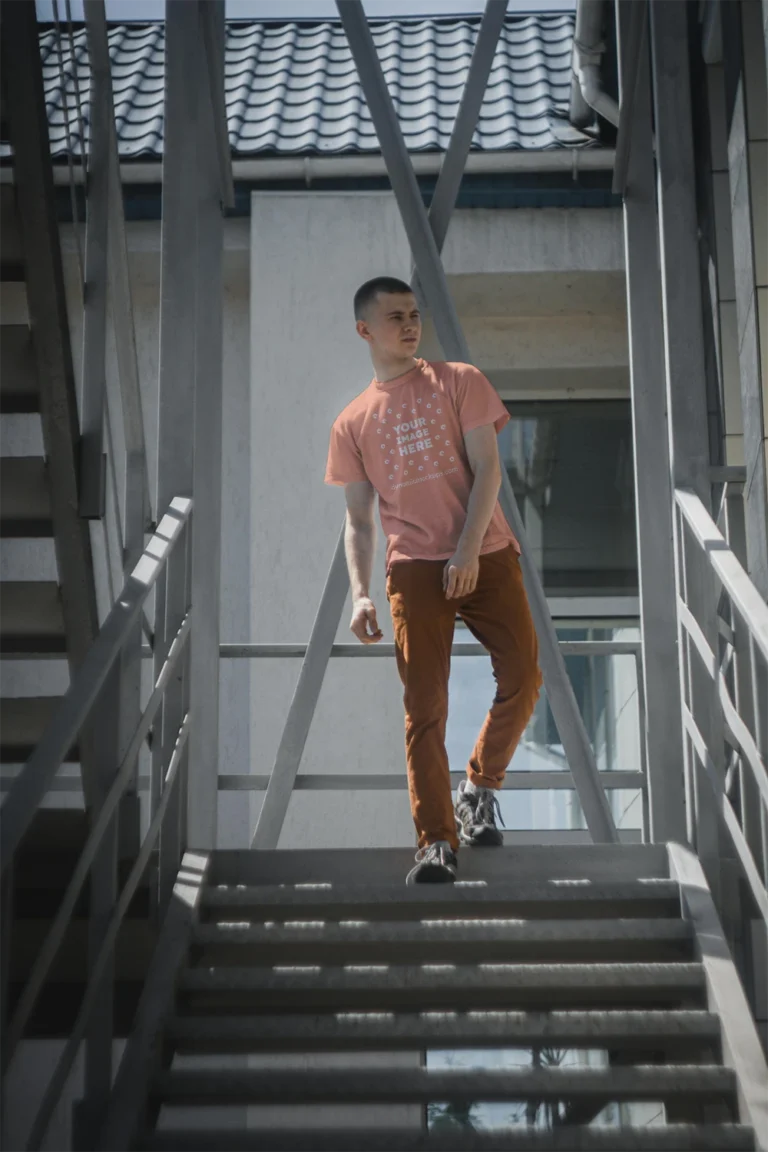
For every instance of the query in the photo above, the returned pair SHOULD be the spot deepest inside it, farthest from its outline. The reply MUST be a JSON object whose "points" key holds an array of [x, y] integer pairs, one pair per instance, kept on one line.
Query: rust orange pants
{"points": [[497, 615]]}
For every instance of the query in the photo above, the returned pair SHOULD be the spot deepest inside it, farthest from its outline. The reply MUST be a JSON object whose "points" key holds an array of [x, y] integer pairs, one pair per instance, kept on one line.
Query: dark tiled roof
{"points": [[293, 87]]}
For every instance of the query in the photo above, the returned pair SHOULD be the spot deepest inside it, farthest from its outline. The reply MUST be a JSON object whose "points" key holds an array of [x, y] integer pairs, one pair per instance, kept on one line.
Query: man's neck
{"points": [[390, 368]]}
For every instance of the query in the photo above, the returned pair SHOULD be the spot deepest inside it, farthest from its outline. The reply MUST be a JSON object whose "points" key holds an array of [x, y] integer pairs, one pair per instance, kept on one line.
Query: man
{"points": [[423, 436]]}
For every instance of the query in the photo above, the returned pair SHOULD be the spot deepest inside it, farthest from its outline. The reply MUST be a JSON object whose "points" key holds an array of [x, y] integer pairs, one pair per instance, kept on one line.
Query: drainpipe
{"points": [[588, 47]]}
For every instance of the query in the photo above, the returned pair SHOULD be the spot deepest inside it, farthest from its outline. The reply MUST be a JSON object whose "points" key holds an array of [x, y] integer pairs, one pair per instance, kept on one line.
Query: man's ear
{"points": [[363, 330]]}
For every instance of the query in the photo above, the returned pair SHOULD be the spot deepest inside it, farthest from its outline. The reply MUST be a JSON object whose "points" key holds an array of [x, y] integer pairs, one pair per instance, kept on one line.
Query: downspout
{"points": [[588, 47]]}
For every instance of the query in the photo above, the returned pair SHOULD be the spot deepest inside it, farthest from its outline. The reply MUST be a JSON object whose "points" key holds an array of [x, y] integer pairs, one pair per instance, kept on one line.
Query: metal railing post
{"points": [[662, 735], [433, 281], [213, 182]]}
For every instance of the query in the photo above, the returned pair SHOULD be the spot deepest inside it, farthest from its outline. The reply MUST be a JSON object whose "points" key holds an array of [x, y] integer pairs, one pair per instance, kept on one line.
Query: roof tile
{"points": [[293, 87]]}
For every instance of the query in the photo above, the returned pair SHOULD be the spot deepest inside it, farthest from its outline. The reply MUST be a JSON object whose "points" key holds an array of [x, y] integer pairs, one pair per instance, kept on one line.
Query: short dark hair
{"points": [[367, 293]]}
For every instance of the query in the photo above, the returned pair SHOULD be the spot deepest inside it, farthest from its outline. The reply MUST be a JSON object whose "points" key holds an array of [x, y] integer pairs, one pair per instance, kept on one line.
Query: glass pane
{"points": [[570, 464]]}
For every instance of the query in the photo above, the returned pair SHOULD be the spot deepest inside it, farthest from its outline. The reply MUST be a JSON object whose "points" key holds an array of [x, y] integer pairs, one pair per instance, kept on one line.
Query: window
{"points": [[570, 464]]}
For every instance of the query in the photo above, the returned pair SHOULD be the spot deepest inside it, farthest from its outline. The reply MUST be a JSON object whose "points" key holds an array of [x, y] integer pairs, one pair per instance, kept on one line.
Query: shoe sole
{"points": [[431, 874]]}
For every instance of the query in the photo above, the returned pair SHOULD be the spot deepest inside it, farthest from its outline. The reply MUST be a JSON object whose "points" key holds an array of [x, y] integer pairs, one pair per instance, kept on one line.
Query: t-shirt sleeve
{"points": [[345, 463], [477, 401]]}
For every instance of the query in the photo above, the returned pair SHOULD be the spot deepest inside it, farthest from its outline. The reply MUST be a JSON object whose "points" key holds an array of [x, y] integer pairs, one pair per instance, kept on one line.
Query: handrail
{"points": [[31, 784], [743, 658], [369, 651], [33, 781]]}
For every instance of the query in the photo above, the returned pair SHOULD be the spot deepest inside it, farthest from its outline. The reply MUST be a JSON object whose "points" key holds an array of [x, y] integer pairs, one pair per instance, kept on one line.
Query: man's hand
{"points": [[460, 573], [364, 623]]}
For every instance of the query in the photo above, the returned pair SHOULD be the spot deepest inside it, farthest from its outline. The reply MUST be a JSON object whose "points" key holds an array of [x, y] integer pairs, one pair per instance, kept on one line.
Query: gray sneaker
{"points": [[435, 864], [476, 814]]}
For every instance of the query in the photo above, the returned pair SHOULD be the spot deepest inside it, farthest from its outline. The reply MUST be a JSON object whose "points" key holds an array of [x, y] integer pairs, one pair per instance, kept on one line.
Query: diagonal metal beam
{"points": [[636, 44], [214, 36], [455, 159], [304, 702], [433, 280]]}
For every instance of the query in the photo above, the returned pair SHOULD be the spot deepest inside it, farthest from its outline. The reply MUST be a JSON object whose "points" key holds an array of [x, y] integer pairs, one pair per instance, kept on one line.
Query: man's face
{"points": [[392, 325]]}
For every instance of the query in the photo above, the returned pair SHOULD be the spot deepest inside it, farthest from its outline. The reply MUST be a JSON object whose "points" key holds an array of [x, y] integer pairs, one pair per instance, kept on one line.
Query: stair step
{"points": [[670, 1031], [667, 1138], [389, 866], [545, 899], [450, 987], [420, 1085], [457, 942], [18, 382], [31, 618], [25, 507], [23, 720]]}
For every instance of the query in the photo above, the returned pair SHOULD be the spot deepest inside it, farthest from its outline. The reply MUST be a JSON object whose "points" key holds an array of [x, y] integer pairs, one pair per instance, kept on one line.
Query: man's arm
{"points": [[360, 546], [461, 572]]}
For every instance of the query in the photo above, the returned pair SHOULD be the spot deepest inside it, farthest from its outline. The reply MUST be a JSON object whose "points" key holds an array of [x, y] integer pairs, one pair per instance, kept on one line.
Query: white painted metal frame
{"points": [[425, 247], [83, 696], [662, 736]]}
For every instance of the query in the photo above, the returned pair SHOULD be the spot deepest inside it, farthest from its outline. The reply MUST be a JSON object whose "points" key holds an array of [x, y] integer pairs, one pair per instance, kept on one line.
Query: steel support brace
{"points": [[92, 459], [434, 284], [214, 31], [454, 162], [685, 371], [178, 268], [304, 702], [633, 47], [660, 666], [206, 534]]}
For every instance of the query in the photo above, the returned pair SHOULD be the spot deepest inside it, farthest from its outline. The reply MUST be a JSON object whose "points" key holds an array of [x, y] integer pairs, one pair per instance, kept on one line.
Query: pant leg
{"points": [[497, 614], [424, 622]]}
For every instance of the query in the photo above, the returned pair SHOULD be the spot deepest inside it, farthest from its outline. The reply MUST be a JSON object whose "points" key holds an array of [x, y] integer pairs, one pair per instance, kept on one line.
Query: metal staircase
{"points": [[40, 528], [295, 957], [314, 983]]}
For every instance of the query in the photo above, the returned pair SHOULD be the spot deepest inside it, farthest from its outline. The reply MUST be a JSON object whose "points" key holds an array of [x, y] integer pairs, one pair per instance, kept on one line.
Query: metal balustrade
{"points": [[18, 811], [724, 639]]}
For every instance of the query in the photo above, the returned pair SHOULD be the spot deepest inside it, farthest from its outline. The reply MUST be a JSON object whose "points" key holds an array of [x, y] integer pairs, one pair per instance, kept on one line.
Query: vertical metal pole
{"points": [[92, 459], [89, 1112], [742, 182], [432, 277], [678, 238], [206, 531], [684, 361], [178, 303], [662, 731], [6, 929]]}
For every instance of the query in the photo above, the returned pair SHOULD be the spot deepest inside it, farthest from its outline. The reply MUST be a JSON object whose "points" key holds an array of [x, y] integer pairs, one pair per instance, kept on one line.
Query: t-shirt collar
{"points": [[396, 381]]}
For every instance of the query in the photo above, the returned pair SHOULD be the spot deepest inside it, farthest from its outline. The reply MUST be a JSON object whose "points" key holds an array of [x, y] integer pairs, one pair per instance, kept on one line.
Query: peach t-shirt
{"points": [[406, 437]]}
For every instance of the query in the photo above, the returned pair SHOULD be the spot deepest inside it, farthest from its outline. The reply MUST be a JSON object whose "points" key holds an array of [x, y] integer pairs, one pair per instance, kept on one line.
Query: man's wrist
{"points": [[469, 548]]}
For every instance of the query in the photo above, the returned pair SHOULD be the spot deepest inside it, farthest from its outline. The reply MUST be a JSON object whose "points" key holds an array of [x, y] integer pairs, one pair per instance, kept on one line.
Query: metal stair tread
{"points": [[452, 941], [388, 866], [545, 898], [364, 1032], [662, 1138], [22, 722], [450, 986], [25, 507], [420, 1085], [18, 382], [31, 617]]}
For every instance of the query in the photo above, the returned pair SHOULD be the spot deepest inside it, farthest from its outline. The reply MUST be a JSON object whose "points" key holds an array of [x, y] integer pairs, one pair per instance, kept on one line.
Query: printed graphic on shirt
{"points": [[413, 443]]}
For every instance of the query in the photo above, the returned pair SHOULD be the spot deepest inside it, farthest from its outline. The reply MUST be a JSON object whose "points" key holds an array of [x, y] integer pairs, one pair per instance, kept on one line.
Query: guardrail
{"points": [[163, 713], [554, 779], [724, 642]]}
